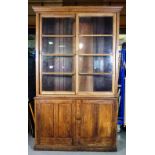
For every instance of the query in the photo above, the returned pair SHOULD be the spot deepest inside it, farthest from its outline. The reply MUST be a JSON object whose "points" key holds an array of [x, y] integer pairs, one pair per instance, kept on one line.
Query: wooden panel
{"points": [[96, 121], [105, 120], [65, 120], [88, 119], [54, 122], [45, 120]]}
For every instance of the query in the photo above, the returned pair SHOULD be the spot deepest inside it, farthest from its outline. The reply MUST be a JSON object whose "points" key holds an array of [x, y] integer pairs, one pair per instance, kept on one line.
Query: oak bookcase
{"points": [[76, 77]]}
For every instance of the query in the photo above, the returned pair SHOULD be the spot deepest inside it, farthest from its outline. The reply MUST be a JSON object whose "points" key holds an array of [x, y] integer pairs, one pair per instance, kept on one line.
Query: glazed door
{"points": [[57, 54], [96, 53], [95, 122], [54, 122]]}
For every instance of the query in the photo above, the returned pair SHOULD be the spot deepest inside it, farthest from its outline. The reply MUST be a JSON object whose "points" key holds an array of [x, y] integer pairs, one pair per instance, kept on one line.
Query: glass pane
{"points": [[56, 26], [95, 25], [95, 83], [56, 83], [57, 45], [95, 45], [57, 64], [95, 64]]}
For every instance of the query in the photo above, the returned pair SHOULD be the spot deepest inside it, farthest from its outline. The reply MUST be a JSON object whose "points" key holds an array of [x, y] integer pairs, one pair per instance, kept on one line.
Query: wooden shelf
{"points": [[101, 73], [64, 55], [58, 92], [95, 54], [80, 35], [95, 35], [59, 36], [57, 73]]}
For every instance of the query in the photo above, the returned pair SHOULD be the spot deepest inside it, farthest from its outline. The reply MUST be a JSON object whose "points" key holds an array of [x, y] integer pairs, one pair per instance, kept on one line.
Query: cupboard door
{"points": [[54, 122], [95, 122]]}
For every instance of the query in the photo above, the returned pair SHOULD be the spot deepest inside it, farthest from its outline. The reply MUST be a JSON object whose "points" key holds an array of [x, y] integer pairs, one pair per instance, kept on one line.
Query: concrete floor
{"points": [[121, 148]]}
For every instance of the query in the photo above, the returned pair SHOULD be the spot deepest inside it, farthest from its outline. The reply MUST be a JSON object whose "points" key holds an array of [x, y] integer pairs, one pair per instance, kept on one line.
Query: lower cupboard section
{"points": [[75, 124]]}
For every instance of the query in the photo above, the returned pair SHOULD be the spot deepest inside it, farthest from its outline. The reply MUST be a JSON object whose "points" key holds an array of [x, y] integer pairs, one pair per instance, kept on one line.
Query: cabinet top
{"points": [[84, 9]]}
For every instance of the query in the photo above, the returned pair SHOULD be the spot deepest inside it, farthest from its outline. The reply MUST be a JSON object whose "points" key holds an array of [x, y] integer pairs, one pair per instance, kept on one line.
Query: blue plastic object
{"points": [[121, 82]]}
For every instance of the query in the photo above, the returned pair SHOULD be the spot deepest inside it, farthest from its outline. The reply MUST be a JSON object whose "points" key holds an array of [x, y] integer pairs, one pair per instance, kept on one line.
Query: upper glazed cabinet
{"points": [[77, 53]]}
